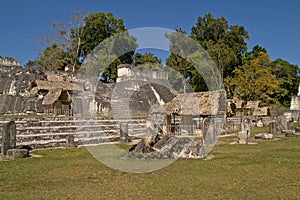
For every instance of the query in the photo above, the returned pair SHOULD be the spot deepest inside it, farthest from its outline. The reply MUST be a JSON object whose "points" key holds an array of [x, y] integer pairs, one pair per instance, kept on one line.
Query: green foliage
{"points": [[208, 28], [53, 58], [254, 81], [181, 65], [182, 47], [288, 78], [98, 27], [148, 57], [247, 75], [225, 44], [104, 59], [256, 50]]}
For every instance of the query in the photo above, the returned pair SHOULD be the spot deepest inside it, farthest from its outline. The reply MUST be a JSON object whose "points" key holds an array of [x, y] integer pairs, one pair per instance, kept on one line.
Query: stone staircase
{"points": [[45, 133]]}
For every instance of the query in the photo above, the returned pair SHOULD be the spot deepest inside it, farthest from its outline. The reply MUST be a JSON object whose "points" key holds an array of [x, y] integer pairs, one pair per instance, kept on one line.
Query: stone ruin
{"points": [[8, 144], [38, 91], [35, 90], [8, 64], [167, 146], [237, 107]]}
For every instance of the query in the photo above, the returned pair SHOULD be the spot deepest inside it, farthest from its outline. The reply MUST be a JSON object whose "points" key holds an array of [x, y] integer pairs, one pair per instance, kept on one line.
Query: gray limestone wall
{"points": [[14, 95]]}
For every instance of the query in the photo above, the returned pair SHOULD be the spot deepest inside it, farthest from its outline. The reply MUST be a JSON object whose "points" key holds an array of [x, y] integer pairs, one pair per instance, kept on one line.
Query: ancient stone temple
{"points": [[8, 64], [137, 90]]}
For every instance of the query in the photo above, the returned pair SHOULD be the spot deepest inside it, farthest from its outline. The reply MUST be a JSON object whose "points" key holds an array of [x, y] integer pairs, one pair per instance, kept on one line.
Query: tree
{"points": [[254, 53], [53, 58], [254, 81], [148, 57], [182, 66], [208, 28], [147, 61], [111, 52], [288, 78], [66, 37], [181, 46], [98, 27], [225, 44], [223, 56]]}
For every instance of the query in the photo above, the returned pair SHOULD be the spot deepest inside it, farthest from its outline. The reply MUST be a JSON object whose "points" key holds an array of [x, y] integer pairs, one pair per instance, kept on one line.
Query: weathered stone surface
{"points": [[282, 122], [17, 153], [260, 123], [291, 125], [264, 111], [243, 137], [297, 129], [166, 147], [290, 133], [8, 137], [124, 132], [273, 128], [14, 93], [264, 136], [70, 143], [246, 127], [54, 132]]}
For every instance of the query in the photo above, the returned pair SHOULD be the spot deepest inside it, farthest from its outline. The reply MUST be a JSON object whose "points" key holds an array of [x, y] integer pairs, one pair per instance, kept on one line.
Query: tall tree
{"points": [[182, 66], [209, 28], [181, 46], [254, 81], [104, 59], [288, 78], [98, 27], [225, 44]]}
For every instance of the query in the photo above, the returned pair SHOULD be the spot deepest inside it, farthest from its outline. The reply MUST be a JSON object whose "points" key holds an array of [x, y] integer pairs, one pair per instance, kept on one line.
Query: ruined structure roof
{"points": [[198, 103], [50, 85], [52, 96]]}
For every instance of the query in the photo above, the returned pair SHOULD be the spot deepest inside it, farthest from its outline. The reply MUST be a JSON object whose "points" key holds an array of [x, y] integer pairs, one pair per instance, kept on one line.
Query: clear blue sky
{"points": [[272, 24]]}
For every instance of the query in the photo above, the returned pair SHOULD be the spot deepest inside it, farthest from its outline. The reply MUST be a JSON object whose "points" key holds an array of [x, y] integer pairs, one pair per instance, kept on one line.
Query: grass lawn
{"points": [[267, 170]]}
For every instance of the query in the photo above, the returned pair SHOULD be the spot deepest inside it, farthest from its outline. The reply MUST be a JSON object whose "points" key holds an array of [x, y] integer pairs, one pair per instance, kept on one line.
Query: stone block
{"points": [[273, 128], [124, 132], [8, 137], [264, 136], [17, 153], [243, 137], [70, 143]]}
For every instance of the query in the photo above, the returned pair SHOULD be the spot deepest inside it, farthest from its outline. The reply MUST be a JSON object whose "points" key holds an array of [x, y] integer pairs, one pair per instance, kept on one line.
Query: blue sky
{"points": [[272, 24]]}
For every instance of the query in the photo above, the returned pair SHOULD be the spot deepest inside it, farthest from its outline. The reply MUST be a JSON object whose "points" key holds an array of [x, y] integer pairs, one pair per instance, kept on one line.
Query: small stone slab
{"points": [[243, 137], [290, 133], [17, 153], [264, 136]]}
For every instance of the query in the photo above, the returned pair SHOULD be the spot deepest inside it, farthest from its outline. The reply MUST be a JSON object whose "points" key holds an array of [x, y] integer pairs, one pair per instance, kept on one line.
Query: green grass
{"points": [[268, 170], [256, 130]]}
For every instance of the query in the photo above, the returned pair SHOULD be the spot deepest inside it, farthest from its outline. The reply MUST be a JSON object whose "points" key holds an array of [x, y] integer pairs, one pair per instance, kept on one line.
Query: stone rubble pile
{"points": [[167, 147]]}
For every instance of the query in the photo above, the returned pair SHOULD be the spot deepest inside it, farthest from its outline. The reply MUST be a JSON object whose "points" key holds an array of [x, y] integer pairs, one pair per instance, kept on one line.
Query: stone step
{"points": [[99, 140], [71, 127]]}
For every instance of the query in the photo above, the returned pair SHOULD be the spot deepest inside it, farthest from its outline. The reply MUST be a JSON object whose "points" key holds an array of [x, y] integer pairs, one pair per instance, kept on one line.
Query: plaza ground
{"points": [[267, 170]]}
